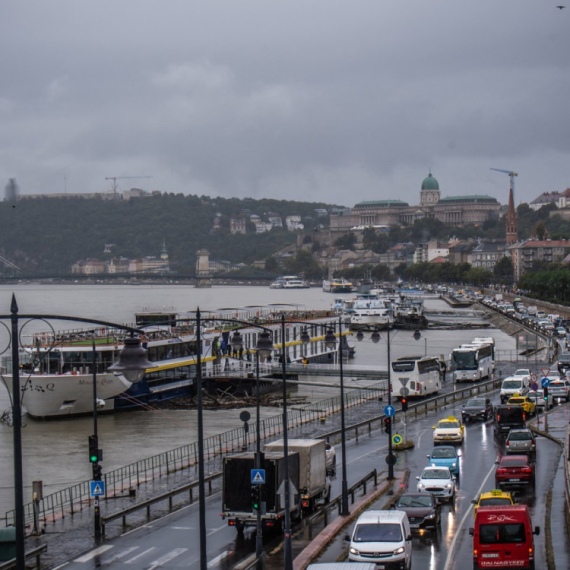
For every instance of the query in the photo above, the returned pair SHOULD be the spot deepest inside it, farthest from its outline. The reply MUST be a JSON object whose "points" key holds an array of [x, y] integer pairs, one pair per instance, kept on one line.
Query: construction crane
{"points": [[511, 174], [115, 178]]}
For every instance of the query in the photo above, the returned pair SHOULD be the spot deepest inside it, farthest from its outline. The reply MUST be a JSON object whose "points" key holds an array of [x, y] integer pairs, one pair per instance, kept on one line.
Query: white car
{"points": [[523, 373], [330, 458], [438, 481]]}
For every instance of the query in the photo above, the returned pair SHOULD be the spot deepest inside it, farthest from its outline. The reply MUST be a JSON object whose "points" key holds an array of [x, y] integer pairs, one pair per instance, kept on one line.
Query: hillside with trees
{"points": [[46, 236]]}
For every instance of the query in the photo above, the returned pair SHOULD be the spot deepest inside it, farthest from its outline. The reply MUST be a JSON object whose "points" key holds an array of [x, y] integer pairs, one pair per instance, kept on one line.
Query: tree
{"points": [[271, 264], [304, 264], [346, 241], [503, 270]]}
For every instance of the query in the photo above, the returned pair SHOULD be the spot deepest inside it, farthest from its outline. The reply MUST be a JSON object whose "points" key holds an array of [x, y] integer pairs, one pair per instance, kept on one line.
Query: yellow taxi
{"points": [[448, 430], [529, 406], [495, 497]]}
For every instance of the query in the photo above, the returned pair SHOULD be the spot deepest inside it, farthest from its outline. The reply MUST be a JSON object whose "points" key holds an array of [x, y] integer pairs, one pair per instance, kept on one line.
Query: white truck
{"points": [[314, 485]]}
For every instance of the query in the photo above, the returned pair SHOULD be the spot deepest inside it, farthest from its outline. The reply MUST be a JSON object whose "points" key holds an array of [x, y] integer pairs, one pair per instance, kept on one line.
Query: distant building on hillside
{"points": [[487, 253], [544, 199], [525, 255], [238, 224], [12, 191]]}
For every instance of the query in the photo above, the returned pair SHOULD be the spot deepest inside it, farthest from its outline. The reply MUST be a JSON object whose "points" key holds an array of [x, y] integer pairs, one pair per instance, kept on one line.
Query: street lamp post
{"points": [[132, 361], [330, 342]]}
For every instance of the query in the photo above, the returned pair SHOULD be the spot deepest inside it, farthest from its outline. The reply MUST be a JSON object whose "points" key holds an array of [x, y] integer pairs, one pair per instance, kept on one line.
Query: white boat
{"points": [[56, 368], [369, 312], [289, 282], [341, 285]]}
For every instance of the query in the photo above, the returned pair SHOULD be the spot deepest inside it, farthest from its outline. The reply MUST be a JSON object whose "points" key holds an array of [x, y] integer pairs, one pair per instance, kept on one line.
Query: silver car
{"points": [[520, 441]]}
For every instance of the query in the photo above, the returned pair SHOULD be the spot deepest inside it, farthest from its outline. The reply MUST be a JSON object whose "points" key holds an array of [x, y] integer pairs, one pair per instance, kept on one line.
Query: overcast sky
{"points": [[325, 100]]}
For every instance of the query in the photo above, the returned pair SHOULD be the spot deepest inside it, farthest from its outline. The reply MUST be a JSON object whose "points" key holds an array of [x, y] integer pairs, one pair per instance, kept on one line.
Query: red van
{"points": [[503, 537]]}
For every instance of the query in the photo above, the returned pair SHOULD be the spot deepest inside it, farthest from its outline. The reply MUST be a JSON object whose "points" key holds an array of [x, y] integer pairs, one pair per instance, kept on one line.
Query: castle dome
{"points": [[430, 183]]}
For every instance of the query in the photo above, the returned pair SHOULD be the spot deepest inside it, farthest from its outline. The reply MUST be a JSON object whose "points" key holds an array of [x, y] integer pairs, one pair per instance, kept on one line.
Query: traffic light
{"points": [[545, 391], [255, 497], [97, 472], [404, 404], [388, 425], [93, 449]]}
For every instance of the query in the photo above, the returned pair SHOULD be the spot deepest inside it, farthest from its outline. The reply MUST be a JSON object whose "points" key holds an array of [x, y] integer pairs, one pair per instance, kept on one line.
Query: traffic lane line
{"points": [[93, 553]]}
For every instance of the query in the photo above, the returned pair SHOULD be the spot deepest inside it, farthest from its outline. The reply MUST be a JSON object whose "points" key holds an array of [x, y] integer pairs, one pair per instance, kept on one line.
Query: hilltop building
{"points": [[451, 210]]}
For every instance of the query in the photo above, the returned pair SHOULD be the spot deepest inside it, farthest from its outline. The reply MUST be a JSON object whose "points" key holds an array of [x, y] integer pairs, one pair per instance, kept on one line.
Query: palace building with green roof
{"points": [[451, 210]]}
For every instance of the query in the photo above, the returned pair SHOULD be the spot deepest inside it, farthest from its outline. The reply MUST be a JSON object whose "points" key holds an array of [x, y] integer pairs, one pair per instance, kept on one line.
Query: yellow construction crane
{"points": [[115, 178]]}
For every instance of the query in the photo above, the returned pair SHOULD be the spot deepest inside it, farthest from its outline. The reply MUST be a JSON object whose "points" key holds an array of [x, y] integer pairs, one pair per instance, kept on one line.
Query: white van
{"points": [[382, 537], [342, 566]]}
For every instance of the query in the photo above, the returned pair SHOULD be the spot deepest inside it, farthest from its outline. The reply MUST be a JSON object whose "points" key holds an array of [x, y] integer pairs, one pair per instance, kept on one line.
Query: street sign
{"points": [[545, 371], [404, 391], [244, 416], [391, 459], [545, 382], [389, 411], [534, 386], [403, 381], [292, 489], [257, 476], [97, 488], [396, 439]]}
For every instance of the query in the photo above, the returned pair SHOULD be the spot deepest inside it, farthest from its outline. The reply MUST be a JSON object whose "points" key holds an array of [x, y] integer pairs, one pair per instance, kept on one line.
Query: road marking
{"points": [[183, 527], [218, 558], [167, 557], [214, 531], [468, 512], [131, 560], [121, 555], [93, 553]]}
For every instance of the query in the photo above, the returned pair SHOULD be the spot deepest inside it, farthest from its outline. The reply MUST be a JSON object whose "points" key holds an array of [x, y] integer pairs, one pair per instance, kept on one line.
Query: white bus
{"points": [[472, 362], [486, 340], [421, 375]]}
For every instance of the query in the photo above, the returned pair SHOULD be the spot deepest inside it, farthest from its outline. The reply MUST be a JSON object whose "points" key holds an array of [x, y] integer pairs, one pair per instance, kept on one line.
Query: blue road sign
{"points": [[396, 439], [534, 386], [97, 488], [258, 476], [389, 411], [545, 382]]}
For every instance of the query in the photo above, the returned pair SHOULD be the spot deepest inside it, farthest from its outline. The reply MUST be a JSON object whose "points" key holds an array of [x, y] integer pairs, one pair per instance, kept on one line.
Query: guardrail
{"points": [[77, 497], [34, 553]]}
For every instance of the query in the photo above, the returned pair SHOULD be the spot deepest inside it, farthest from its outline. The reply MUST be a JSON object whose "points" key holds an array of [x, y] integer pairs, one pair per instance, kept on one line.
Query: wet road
{"points": [[173, 542]]}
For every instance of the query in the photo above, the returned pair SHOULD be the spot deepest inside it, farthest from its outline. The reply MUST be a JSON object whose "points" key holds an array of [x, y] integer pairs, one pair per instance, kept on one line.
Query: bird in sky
{"points": [[561, 7]]}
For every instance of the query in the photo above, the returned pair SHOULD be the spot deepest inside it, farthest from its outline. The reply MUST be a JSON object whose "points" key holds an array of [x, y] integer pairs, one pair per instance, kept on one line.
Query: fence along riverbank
{"points": [[77, 497]]}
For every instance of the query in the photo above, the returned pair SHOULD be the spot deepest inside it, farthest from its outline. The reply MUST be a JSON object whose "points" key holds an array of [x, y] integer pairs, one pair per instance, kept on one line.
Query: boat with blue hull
{"points": [[56, 367]]}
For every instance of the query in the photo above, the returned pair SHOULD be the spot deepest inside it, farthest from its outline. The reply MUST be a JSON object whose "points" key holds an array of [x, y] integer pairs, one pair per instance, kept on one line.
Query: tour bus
{"points": [[421, 375], [472, 362], [486, 340]]}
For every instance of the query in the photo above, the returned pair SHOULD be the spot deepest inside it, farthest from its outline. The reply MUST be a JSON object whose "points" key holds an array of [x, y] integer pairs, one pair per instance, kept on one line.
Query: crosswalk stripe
{"points": [[214, 562], [93, 553], [167, 557], [134, 558]]}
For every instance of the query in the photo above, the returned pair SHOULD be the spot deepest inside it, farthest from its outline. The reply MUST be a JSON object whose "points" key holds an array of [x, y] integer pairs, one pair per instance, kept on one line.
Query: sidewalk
{"points": [[555, 426]]}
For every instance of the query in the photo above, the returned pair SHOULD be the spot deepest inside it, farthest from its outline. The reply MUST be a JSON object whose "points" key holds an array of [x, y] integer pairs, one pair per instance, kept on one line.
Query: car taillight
{"points": [[507, 444], [501, 470], [524, 416], [526, 470]]}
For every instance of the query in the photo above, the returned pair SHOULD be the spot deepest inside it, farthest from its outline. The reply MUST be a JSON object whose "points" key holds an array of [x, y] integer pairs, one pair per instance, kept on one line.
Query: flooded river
{"points": [[56, 451]]}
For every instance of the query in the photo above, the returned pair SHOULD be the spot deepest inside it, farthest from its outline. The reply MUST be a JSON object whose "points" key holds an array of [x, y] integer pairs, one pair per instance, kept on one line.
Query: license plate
{"points": [[491, 555], [381, 566], [514, 480], [414, 526]]}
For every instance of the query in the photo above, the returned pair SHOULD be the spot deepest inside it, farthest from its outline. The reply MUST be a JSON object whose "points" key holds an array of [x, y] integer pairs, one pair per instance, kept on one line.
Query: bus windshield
{"points": [[465, 360]]}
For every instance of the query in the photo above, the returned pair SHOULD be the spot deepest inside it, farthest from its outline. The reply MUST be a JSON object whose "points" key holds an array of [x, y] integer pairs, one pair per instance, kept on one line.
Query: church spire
{"points": [[512, 236]]}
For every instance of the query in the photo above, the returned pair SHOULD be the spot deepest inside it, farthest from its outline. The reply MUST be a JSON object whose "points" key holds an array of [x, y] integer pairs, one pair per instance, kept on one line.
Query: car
{"points": [[507, 418], [330, 458], [564, 362], [561, 332], [515, 471], [520, 441], [438, 481], [448, 430], [559, 389], [494, 497], [527, 403], [479, 408], [538, 399], [445, 456], [383, 537], [513, 385], [422, 509], [523, 373]]}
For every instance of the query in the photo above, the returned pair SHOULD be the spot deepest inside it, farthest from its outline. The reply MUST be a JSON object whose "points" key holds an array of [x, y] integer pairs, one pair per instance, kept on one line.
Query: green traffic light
{"points": [[93, 458]]}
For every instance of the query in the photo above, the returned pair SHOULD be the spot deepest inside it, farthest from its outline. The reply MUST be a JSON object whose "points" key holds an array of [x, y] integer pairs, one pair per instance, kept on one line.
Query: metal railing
{"points": [[77, 497]]}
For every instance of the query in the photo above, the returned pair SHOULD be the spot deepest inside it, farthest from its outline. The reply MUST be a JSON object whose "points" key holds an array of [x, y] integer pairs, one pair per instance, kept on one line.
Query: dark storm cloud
{"points": [[323, 100]]}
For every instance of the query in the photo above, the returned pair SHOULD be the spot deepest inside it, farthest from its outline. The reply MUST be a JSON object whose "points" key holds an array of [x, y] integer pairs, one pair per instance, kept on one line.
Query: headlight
{"points": [[353, 550], [432, 516], [454, 465], [399, 550], [449, 485], [420, 485]]}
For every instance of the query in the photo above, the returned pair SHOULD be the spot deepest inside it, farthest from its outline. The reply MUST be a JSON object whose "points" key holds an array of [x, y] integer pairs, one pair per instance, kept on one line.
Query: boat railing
{"points": [[74, 499]]}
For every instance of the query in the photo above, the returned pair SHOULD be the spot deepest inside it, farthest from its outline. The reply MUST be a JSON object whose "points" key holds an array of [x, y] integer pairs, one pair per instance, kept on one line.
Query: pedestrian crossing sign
{"points": [[97, 488], [258, 476]]}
